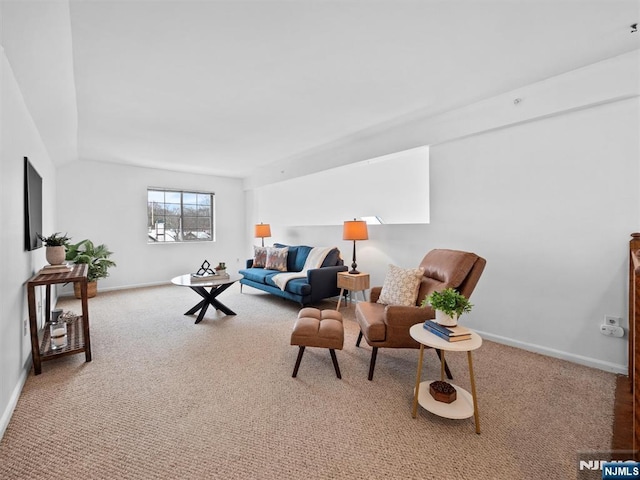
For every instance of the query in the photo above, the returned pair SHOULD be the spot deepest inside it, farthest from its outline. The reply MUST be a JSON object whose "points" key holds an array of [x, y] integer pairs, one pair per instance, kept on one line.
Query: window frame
{"points": [[180, 234]]}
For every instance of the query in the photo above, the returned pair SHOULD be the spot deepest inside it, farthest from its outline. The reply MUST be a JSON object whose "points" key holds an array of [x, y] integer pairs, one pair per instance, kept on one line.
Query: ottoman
{"points": [[318, 328]]}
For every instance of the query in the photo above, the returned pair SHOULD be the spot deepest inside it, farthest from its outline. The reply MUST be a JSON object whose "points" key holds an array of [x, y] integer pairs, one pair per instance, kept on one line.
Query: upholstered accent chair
{"points": [[388, 325]]}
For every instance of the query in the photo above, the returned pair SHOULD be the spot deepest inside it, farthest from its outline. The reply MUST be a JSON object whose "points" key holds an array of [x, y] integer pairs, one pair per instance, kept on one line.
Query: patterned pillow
{"points": [[259, 257], [401, 286], [277, 258]]}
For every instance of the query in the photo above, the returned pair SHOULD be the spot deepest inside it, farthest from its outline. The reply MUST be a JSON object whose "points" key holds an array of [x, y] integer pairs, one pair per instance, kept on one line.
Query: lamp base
{"points": [[353, 272]]}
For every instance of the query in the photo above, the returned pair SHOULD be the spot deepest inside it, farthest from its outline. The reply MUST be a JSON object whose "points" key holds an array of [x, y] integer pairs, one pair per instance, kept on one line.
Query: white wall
{"points": [[19, 138], [353, 191], [550, 204], [548, 196], [107, 203]]}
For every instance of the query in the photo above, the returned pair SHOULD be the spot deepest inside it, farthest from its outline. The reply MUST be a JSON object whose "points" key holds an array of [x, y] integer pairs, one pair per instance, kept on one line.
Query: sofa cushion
{"points": [[297, 256], [370, 317], [259, 257], [297, 286], [401, 286], [258, 275], [332, 258], [277, 258]]}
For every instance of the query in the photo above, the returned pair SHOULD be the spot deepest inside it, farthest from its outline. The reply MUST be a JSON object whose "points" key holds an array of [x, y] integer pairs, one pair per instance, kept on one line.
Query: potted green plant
{"points": [[56, 247], [449, 304], [97, 258]]}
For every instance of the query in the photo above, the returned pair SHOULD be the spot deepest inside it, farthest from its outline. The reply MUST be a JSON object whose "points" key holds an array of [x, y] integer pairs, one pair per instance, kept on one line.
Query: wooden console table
{"points": [[78, 340]]}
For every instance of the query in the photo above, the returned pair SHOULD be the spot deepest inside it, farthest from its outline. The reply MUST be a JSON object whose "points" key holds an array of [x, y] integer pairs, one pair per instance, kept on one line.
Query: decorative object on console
{"points": [[56, 247], [442, 391], [49, 269], [262, 231], [56, 313], [204, 272], [354, 230], [98, 261], [69, 316], [58, 333], [221, 270], [449, 304]]}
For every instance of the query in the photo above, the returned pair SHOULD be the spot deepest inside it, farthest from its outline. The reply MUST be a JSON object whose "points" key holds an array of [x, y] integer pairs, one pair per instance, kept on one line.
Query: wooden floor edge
{"points": [[622, 435]]}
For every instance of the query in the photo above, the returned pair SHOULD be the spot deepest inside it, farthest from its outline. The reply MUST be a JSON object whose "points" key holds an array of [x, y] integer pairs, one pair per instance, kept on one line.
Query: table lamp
{"points": [[354, 230], [262, 230]]}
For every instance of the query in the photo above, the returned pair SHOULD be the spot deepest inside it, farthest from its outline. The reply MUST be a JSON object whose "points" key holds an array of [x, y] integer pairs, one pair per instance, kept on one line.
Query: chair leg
{"points": [[295, 369], [359, 338], [335, 362], [446, 366], [372, 365]]}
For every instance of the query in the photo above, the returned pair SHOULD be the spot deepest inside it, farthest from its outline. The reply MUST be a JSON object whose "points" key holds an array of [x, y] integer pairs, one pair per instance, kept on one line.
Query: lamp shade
{"points": [[263, 230], [355, 230]]}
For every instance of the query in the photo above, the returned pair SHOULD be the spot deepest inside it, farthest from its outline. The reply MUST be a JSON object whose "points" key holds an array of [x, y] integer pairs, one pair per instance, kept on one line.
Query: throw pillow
{"points": [[401, 286], [277, 258], [259, 257]]}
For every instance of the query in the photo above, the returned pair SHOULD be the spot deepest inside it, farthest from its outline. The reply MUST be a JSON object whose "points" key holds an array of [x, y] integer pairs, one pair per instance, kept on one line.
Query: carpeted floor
{"points": [[165, 398]]}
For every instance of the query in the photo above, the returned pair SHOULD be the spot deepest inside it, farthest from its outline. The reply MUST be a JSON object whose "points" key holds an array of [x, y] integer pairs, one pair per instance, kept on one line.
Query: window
{"points": [[179, 216]]}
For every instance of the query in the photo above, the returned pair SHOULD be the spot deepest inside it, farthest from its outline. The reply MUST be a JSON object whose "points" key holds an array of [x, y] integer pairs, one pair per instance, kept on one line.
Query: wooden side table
{"points": [[78, 331], [356, 282], [466, 405]]}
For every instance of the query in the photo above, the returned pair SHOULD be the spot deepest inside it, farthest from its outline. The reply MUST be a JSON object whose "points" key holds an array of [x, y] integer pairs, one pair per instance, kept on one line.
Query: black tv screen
{"points": [[32, 206]]}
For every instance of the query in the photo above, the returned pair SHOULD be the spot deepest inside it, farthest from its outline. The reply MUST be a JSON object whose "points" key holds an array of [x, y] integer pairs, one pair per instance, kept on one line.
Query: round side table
{"points": [[466, 404]]}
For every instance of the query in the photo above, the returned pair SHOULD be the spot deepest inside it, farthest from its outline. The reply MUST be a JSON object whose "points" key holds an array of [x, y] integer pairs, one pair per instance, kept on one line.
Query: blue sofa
{"points": [[319, 283]]}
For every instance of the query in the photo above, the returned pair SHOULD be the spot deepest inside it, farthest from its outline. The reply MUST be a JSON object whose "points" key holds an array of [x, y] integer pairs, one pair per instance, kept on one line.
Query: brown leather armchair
{"points": [[388, 325]]}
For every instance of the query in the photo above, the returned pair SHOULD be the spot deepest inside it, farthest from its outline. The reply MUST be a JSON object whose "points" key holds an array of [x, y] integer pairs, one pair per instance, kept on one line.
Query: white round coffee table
{"points": [[466, 404], [216, 287]]}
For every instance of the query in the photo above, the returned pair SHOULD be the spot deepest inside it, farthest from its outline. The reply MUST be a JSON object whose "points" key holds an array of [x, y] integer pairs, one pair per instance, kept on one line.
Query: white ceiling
{"points": [[225, 87]]}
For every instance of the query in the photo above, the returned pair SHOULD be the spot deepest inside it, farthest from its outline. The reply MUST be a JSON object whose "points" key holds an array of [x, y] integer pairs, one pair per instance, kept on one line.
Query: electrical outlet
{"points": [[25, 327], [612, 321], [612, 331]]}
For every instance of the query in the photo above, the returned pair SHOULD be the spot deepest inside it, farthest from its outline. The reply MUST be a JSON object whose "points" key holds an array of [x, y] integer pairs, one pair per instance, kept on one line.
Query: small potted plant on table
{"points": [[449, 304], [56, 247]]}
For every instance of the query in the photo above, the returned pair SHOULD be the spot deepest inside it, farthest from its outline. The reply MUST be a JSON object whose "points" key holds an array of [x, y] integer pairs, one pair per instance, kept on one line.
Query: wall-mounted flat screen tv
{"points": [[32, 206]]}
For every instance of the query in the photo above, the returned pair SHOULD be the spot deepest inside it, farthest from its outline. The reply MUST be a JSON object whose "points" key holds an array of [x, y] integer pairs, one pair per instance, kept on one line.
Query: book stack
{"points": [[203, 277], [451, 334], [47, 269]]}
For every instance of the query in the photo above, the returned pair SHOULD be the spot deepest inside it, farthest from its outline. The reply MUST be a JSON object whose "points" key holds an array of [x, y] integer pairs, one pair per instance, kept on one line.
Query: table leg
{"points": [[33, 327], [441, 365], [85, 320], [414, 412], [209, 298], [195, 308], [476, 415], [340, 298], [222, 307]]}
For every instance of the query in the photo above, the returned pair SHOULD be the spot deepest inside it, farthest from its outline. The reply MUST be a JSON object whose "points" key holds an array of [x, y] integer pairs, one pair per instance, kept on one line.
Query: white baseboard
{"points": [[13, 400], [550, 352], [69, 292]]}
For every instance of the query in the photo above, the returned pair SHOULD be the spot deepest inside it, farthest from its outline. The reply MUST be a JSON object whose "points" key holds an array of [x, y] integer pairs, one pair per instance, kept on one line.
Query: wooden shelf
{"points": [[75, 340], [78, 336]]}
